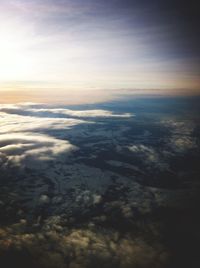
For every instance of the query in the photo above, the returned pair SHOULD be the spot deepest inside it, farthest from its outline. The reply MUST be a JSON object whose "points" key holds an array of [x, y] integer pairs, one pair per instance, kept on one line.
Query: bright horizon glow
{"points": [[62, 47]]}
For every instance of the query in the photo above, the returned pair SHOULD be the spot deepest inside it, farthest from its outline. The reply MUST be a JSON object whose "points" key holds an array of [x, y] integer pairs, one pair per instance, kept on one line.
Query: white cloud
{"points": [[17, 123], [85, 113], [148, 152], [149, 155], [19, 147], [25, 109], [29, 131]]}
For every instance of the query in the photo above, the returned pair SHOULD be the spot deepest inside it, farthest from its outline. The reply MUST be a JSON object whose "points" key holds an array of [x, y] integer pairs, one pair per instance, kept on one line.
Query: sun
{"points": [[15, 53]]}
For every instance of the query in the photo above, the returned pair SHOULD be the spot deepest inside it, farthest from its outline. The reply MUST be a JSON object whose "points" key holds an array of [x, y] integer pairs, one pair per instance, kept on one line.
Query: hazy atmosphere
{"points": [[99, 134], [97, 48]]}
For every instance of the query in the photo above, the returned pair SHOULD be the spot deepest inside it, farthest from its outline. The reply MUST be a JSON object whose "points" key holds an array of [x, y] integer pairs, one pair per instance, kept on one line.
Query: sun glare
{"points": [[15, 61]]}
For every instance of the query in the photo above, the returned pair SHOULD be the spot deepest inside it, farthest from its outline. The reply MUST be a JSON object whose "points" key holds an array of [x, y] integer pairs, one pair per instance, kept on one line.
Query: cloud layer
{"points": [[29, 131]]}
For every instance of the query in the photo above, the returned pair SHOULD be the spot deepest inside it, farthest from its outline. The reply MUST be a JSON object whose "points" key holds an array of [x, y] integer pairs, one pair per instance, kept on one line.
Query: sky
{"points": [[96, 49]]}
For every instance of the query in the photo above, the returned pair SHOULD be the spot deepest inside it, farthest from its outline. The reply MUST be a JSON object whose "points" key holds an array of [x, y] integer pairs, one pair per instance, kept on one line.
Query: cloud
{"points": [[150, 156], [181, 139], [150, 153], [24, 109], [85, 113], [29, 131], [183, 144], [83, 248], [20, 146], [17, 123]]}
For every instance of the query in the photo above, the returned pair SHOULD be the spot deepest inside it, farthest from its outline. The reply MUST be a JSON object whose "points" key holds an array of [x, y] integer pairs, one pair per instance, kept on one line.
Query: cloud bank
{"points": [[32, 131]]}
